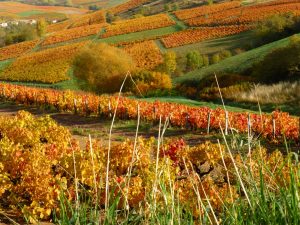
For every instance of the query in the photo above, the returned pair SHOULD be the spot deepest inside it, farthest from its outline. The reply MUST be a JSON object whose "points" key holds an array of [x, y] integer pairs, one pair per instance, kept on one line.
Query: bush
{"points": [[151, 81], [205, 60], [215, 58], [279, 65], [225, 54], [194, 60], [170, 64], [277, 27], [102, 67]]}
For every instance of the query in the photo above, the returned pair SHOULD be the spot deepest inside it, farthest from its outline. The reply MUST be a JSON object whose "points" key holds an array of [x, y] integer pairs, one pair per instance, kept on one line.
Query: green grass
{"points": [[235, 64], [189, 102], [4, 64], [30, 13], [216, 45], [112, 3], [71, 84], [141, 35]]}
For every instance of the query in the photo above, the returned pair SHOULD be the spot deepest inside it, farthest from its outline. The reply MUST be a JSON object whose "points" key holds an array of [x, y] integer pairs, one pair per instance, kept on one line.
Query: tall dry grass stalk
{"points": [[280, 93]]}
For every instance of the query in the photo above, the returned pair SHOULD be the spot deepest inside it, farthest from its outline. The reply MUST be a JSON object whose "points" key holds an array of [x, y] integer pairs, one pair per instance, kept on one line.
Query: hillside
{"points": [[150, 112], [234, 64], [179, 31], [20, 10]]}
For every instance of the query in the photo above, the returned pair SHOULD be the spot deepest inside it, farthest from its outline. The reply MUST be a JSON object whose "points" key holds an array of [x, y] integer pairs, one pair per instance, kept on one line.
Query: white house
{"points": [[4, 24]]}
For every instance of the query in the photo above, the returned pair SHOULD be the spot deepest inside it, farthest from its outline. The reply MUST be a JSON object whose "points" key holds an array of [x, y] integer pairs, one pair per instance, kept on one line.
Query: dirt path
{"points": [[81, 127]]}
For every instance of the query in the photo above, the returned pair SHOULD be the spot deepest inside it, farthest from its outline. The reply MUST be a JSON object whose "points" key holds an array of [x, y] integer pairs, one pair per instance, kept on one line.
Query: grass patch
{"points": [[216, 45], [141, 35], [189, 102], [4, 64], [30, 13], [235, 64]]}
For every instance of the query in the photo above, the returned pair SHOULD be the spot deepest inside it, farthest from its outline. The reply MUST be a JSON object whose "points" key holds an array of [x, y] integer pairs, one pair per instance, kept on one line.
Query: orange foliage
{"points": [[139, 24], [47, 66], [145, 54], [127, 6], [59, 26], [89, 19], [74, 33], [15, 50], [244, 15], [205, 10], [180, 115], [196, 35]]}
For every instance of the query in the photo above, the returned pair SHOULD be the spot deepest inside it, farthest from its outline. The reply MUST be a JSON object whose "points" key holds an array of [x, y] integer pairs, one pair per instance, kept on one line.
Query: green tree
{"points": [[209, 2], [41, 27], [225, 54], [167, 7], [281, 64], [102, 67], [277, 27], [215, 58], [175, 6], [194, 60], [205, 60]]}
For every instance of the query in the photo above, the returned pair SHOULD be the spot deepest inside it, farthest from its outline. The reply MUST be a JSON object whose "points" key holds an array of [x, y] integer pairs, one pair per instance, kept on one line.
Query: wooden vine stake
{"points": [[299, 129], [274, 126], [208, 121], [75, 106], [86, 103], [226, 122], [187, 117], [99, 109], [153, 115], [109, 109], [249, 125]]}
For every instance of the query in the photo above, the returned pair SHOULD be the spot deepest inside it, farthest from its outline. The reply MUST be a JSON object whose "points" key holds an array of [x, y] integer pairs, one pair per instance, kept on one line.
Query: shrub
{"points": [[205, 60], [103, 67], [170, 63], [279, 65], [215, 58], [194, 60], [150, 81], [225, 54]]}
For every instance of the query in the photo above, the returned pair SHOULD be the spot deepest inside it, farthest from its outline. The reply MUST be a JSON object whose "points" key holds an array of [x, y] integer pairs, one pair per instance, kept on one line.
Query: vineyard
{"points": [[35, 172], [18, 8], [13, 51], [274, 127], [200, 34], [145, 54], [206, 10], [139, 24], [89, 19], [127, 6], [244, 15], [47, 66], [73, 33], [58, 26]]}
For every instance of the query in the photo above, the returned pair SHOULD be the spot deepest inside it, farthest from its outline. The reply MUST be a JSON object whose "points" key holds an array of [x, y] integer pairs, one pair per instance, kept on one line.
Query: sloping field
{"points": [[21, 9], [235, 64]]}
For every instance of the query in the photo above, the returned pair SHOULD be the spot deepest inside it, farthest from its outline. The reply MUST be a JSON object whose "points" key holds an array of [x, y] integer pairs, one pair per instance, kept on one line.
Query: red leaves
{"points": [[180, 115]]}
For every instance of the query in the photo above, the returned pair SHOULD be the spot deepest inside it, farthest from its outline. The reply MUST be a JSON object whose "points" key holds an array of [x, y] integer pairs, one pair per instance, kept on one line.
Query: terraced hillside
{"points": [[179, 31]]}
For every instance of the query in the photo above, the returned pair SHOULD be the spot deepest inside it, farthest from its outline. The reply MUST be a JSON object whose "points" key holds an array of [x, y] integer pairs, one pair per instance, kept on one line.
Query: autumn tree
{"points": [[148, 81], [102, 67], [170, 63], [41, 27]]}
